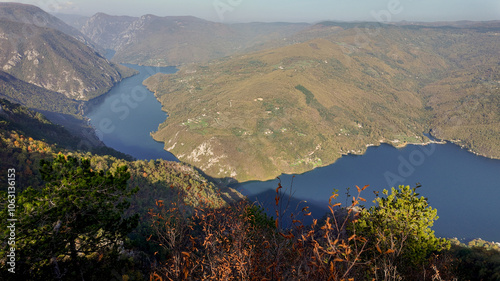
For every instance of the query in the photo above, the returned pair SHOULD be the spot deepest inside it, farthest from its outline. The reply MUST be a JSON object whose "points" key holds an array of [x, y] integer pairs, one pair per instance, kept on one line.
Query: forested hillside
{"points": [[39, 49], [36, 97], [55, 61], [27, 137], [290, 109]]}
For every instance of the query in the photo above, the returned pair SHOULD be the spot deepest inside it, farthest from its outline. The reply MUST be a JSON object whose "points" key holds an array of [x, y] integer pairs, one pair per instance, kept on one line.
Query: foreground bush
{"points": [[398, 226], [239, 242]]}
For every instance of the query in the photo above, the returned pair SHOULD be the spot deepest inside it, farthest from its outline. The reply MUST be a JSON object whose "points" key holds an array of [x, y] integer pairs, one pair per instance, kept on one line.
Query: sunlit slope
{"points": [[470, 114], [29, 14], [297, 107], [55, 61]]}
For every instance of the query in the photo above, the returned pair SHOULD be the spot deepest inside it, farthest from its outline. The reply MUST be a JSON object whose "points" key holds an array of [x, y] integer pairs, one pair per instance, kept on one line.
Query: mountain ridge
{"points": [[176, 40], [55, 61], [31, 14]]}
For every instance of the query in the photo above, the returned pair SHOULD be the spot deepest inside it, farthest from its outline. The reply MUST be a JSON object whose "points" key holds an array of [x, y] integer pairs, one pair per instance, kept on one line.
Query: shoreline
{"points": [[456, 142]]}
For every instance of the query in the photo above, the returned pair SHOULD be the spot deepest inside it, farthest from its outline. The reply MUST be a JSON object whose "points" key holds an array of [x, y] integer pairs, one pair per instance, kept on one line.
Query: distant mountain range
{"points": [[153, 40], [178, 40]]}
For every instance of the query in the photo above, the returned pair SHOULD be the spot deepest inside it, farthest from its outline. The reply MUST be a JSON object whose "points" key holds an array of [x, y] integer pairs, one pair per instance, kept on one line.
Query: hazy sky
{"points": [[285, 10]]}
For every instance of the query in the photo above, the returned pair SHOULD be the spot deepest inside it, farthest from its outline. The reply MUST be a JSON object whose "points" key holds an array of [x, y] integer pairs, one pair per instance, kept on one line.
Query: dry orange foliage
{"points": [[231, 244]]}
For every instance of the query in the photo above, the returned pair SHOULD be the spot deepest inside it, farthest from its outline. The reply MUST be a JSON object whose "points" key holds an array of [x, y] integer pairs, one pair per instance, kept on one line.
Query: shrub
{"points": [[398, 227]]}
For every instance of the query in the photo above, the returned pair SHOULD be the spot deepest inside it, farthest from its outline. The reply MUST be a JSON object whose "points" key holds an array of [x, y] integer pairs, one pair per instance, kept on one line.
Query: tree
{"points": [[79, 212], [399, 228]]}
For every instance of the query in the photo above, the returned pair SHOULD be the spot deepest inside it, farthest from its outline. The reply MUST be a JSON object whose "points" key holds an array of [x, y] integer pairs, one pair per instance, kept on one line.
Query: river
{"points": [[463, 187], [124, 117]]}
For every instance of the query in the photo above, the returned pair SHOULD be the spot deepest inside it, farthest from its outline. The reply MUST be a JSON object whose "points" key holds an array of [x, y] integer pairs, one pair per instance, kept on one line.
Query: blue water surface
{"points": [[124, 117]]}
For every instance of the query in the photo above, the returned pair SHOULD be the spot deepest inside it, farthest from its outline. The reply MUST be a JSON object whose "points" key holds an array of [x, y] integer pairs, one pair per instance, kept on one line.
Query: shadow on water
{"points": [[293, 199], [463, 187], [288, 205]]}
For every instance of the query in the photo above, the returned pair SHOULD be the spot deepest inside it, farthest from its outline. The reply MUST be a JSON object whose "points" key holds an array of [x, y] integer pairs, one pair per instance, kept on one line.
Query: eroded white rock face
{"points": [[31, 54], [205, 155], [13, 61], [204, 149]]}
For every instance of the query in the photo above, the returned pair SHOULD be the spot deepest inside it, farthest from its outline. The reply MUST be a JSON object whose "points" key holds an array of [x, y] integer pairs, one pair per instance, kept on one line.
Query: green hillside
{"points": [[26, 137], [290, 109]]}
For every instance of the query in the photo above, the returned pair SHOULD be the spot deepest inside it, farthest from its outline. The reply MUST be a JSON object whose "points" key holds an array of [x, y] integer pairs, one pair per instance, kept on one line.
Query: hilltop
{"points": [[33, 15], [55, 61], [293, 108]]}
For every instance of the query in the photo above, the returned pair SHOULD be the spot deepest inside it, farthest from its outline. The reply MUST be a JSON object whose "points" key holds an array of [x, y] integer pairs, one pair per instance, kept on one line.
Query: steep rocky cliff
{"points": [[55, 61]]}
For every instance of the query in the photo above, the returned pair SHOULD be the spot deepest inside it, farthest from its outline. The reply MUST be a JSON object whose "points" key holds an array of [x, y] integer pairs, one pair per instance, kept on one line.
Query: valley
{"points": [[149, 147]]}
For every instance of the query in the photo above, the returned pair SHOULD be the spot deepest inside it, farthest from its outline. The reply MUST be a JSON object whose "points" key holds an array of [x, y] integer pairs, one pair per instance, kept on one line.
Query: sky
{"points": [[285, 10]]}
